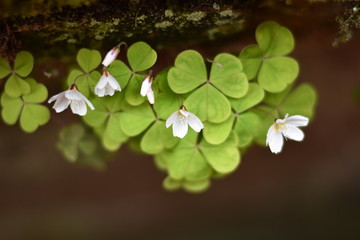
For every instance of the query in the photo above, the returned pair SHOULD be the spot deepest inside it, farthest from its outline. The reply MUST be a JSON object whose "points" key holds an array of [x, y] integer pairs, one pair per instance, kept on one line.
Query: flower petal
{"points": [[100, 91], [74, 95], [274, 140], [150, 96], [110, 56], [102, 82], [293, 133], [173, 117], [53, 98], [297, 121], [180, 128], [194, 122], [113, 83], [109, 90], [145, 86], [61, 103], [78, 107]]}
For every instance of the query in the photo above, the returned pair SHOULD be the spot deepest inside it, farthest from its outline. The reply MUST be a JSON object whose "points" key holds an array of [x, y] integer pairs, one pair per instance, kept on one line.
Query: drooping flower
{"points": [[111, 56], [146, 89], [71, 97], [180, 121], [106, 85], [288, 128]]}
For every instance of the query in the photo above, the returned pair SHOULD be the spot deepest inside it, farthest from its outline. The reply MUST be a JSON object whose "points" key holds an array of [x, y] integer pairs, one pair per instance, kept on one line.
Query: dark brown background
{"points": [[310, 191]]}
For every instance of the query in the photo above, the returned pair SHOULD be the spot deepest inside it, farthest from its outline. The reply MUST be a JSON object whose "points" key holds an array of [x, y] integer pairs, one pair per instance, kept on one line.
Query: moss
{"points": [[163, 24], [196, 16]]}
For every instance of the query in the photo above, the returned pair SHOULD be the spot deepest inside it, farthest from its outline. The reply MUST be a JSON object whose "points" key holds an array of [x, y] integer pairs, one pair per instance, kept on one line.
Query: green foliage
{"points": [[27, 107], [235, 113], [15, 85], [266, 61], [78, 145], [208, 101], [87, 77]]}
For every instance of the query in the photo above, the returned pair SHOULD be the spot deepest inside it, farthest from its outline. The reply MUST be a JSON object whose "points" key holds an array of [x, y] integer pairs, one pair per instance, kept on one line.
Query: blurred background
{"points": [[309, 191]]}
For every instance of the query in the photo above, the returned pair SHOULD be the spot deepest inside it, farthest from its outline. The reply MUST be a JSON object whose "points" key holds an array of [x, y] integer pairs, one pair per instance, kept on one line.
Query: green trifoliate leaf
{"points": [[24, 63], [300, 101], [273, 39], [120, 72], [141, 56], [227, 76], [247, 127], [110, 144], [254, 96], [132, 91], [88, 59], [208, 104], [135, 120], [11, 108], [162, 81], [216, 133], [33, 116], [38, 94], [223, 158], [5, 68], [16, 86], [157, 138], [165, 104], [186, 160], [276, 73], [188, 73], [85, 83], [251, 58]]}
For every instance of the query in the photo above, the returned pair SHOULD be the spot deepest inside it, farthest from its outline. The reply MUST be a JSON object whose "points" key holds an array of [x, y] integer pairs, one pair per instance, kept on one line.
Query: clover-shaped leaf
{"points": [[5, 68], [275, 71], [31, 113], [16, 86], [120, 72], [216, 133], [157, 138], [187, 162], [273, 39], [227, 76], [254, 96], [208, 104], [88, 59], [141, 56], [224, 157], [135, 120], [188, 73], [251, 58]]}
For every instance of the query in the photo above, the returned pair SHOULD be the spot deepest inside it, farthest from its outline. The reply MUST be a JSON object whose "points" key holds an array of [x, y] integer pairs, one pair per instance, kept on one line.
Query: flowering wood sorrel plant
{"points": [[236, 103]]}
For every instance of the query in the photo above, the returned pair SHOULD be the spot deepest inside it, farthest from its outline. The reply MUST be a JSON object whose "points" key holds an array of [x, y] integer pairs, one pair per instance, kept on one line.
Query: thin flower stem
{"points": [[122, 44], [213, 62], [83, 74]]}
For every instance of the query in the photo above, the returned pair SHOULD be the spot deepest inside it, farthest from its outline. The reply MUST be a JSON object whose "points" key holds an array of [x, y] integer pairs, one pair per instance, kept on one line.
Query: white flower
{"points": [[180, 120], [71, 97], [107, 85], [111, 56], [146, 89], [288, 128]]}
